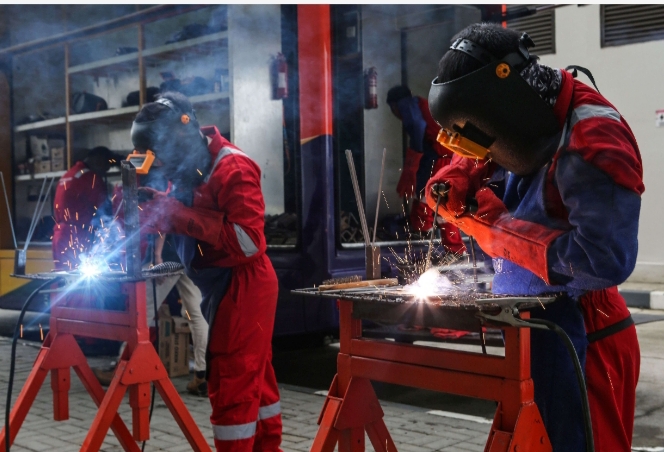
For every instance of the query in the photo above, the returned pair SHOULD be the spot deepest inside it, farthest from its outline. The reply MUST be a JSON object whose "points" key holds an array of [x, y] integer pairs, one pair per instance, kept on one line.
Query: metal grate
{"points": [[627, 24], [541, 27]]}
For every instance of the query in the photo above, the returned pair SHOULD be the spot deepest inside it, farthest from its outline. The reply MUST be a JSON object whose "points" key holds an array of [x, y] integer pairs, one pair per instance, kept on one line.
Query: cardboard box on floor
{"points": [[173, 342]]}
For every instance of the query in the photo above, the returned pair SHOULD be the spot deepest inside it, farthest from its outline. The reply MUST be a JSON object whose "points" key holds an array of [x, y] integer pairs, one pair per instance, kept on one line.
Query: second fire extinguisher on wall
{"points": [[370, 88], [279, 76]]}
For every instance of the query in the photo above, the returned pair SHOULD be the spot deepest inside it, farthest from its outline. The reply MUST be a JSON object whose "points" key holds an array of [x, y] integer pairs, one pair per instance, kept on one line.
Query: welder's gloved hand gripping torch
{"points": [[164, 214], [497, 232]]}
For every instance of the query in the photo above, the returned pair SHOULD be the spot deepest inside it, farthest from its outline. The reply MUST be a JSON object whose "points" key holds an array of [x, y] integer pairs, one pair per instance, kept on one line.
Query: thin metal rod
{"points": [[34, 215], [433, 229], [9, 211], [41, 209], [472, 253], [380, 189], [358, 197]]}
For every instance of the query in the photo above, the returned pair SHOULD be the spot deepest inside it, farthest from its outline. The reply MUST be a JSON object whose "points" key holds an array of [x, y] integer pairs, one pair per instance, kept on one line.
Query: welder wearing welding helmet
{"points": [[216, 206], [423, 158], [556, 175], [79, 197]]}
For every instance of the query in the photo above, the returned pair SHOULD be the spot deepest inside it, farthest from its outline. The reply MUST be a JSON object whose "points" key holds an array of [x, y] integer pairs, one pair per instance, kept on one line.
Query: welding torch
{"points": [[441, 190]]}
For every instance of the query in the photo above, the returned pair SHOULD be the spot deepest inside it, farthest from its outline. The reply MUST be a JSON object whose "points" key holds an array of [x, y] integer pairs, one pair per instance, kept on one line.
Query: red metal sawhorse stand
{"points": [[139, 366], [352, 408]]}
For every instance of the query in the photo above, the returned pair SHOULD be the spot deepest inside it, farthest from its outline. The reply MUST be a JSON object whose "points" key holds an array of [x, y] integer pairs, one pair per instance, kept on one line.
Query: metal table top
{"points": [[393, 306]]}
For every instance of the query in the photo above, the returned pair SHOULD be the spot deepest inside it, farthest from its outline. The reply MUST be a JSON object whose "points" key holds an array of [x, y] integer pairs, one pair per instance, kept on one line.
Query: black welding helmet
{"points": [[493, 112], [175, 138], [159, 133]]}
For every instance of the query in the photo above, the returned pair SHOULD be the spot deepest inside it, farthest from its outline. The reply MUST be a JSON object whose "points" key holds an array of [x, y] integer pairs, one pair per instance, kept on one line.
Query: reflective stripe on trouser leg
{"points": [[266, 412], [234, 432]]}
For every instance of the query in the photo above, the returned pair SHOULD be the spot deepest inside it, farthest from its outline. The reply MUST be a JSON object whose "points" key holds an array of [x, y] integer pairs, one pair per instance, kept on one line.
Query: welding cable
{"points": [[590, 443], [12, 365]]}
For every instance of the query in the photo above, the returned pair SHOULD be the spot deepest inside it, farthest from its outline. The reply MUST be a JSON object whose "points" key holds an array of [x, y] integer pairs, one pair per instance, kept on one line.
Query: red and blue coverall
{"points": [[78, 194], [240, 288], [428, 156], [571, 229]]}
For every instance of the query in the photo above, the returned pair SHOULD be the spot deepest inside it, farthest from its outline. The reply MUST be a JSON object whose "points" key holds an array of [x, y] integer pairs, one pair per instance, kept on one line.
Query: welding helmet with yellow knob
{"points": [[494, 113]]}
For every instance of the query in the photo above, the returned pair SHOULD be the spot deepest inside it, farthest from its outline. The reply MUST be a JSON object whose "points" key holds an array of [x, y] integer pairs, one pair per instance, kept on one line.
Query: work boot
{"points": [[198, 386]]}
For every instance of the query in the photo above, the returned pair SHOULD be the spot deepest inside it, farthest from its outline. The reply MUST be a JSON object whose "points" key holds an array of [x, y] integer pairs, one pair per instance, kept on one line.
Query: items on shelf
{"points": [[46, 153], [134, 98], [125, 50], [85, 102], [190, 86], [191, 31]]}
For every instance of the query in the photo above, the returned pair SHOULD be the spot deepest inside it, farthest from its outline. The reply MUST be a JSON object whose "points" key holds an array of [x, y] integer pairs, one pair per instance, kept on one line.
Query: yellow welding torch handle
{"points": [[142, 162], [461, 145]]}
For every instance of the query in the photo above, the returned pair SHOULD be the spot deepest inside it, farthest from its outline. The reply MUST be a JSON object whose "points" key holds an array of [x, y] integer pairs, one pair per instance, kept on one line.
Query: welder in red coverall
{"points": [[560, 217], [216, 206], [424, 157], [81, 191]]}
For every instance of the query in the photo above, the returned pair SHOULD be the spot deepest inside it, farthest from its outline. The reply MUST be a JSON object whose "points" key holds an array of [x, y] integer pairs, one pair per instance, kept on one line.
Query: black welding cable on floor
{"points": [[12, 365], [590, 442]]}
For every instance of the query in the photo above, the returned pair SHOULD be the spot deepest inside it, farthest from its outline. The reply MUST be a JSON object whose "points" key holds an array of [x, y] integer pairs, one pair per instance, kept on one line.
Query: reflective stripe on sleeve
{"points": [[266, 412], [594, 111], [248, 246], [234, 432], [82, 172], [586, 112]]}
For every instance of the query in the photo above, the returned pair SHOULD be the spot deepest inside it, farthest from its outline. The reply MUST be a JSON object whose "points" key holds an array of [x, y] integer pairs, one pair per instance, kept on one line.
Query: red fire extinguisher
{"points": [[370, 88], [279, 77]]}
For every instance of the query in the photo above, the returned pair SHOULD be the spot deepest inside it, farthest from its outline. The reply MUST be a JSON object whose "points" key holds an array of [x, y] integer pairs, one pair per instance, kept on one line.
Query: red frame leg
{"points": [[351, 407], [139, 366]]}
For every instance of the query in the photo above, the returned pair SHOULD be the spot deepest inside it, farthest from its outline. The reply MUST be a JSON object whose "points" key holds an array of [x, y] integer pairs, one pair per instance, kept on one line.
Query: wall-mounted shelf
{"points": [[112, 116], [202, 46], [39, 176], [129, 62], [53, 123], [109, 66]]}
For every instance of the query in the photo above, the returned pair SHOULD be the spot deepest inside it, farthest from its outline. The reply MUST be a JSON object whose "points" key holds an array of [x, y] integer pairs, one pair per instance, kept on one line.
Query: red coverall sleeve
{"points": [[240, 199]]}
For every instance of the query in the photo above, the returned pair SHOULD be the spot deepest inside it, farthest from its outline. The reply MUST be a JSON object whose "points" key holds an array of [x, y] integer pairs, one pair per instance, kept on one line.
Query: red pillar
{"points": [[315, 71]]}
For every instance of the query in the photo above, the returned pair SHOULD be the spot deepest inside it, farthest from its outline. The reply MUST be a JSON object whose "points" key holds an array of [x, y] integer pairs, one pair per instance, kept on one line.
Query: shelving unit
{"points": [[203, 45], [112, 78], [47, 124], [102, 68], [110, 116], [39, 176]]}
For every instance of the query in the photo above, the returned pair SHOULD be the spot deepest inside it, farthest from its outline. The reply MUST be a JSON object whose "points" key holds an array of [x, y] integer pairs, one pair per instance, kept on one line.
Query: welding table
{"points": [[351, 406], [139, 366]]}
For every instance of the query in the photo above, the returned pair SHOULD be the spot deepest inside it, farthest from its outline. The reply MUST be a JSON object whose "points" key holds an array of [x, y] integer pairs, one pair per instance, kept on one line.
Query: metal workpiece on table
{"points": [[171, 269], [466, 311]]}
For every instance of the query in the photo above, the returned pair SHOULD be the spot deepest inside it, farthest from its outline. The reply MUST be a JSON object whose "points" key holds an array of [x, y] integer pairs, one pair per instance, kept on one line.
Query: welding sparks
{"points": [[41, 332], [187, 314], [199, 171], [199, 249], [21, 330]]}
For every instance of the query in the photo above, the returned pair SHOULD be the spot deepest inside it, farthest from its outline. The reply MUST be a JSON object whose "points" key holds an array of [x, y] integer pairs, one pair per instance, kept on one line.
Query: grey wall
{"points": [[429, 29], [256, 119]]}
